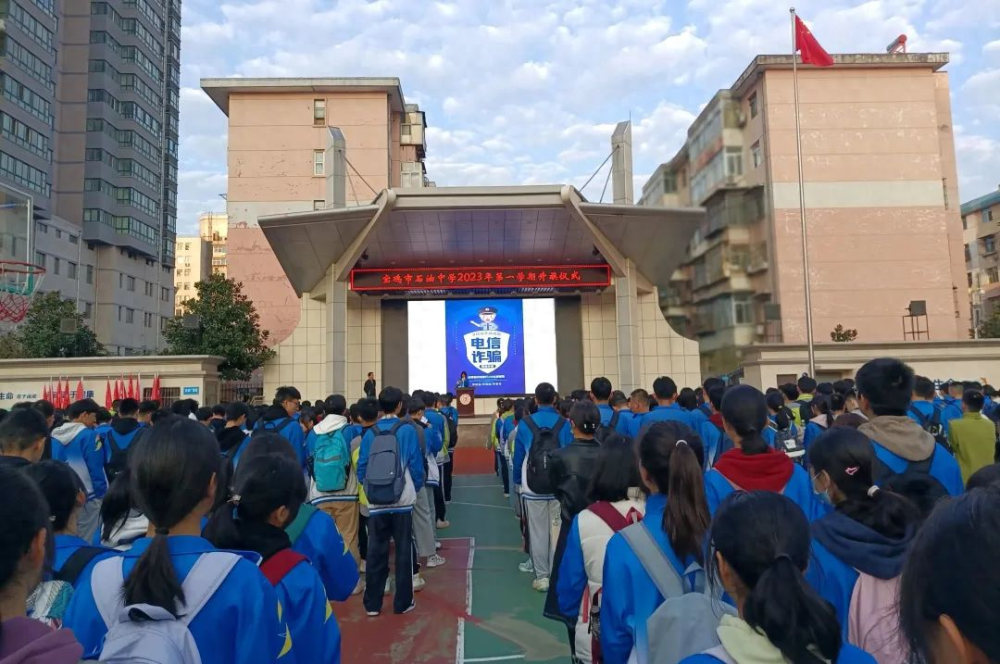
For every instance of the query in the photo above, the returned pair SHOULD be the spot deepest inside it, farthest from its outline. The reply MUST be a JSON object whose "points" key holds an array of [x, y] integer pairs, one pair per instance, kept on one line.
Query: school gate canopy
{"points": [[564, 290]]}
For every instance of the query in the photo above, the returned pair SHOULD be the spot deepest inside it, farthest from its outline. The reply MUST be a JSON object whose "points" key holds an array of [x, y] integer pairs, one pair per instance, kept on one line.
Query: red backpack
{"points": [[615, 521], [280, 564]]}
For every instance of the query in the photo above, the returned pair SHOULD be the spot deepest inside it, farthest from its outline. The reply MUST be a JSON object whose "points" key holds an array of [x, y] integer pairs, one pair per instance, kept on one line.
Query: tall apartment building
{"points": [[279, 135], [89, 139], [981, 234], [194, 264], [881, 193], [214, 227]]}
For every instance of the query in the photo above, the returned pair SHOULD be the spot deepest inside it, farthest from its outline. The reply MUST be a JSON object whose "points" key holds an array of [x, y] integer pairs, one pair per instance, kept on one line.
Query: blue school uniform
{"points": [[843, 547], [241, 624], [798, 489], [81, 448], [545, 418], [926, 408], [629, 596], [410, 456], [624, 418], [669, 413], [812, 432], [951, 409], [437, 422], [314, 629], [324, 546], [67, 545], [277, 420], [848, 655], [944, 467]]}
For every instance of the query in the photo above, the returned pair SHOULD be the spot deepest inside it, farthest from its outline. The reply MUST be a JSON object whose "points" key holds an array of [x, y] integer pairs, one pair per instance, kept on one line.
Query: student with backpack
{"points": [[907, 455], [826, 409], [654, 606], [424, 531], [268, 493], [333, 482], [313, 533], [538, 436], [76, 443], [281, 417], [781, 432], [234, 432], [807, 392], [173, 597], [391, 470], [752, 465], [925, 411], [440, 444], [122, 432], [758, 552], [790, 392], [665, 390], [611, 419], [973, 439], [951, 400], [23, 434], [23, 557], [74, 557], [949, 603], [615, 502], [859, 548]]}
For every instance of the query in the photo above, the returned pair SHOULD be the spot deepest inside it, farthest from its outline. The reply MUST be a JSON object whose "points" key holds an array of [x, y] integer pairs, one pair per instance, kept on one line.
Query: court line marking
{"points": [[501, 658], [460, 637], [497, 507], [479, 486]]}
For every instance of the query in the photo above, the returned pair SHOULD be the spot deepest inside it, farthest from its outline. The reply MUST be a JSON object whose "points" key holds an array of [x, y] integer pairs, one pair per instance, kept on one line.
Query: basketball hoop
{"points": [[18, 283]]}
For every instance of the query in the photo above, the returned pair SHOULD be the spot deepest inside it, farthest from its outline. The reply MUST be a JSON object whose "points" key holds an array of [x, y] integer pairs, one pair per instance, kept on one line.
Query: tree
{"points": [[990, 327], [226, 324], [40, 334], [842, 335]]}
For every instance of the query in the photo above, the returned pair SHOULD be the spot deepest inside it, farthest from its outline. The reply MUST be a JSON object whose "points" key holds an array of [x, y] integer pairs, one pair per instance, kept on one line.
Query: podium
{"points": [[466, 397]]}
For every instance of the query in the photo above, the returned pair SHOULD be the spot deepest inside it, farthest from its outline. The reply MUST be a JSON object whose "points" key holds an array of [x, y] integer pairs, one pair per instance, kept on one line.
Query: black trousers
{"points": [[363, 537], [440, 507], [446, 481], [504, 473], [382, 528]]}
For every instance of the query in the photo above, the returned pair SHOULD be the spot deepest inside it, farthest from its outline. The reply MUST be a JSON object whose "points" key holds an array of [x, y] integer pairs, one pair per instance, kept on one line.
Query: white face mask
{"points": [[824, 495]]}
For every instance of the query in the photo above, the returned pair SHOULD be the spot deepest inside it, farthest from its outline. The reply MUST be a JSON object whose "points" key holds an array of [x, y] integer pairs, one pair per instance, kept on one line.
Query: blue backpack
{"points": [[331, 461], [385, 481]]}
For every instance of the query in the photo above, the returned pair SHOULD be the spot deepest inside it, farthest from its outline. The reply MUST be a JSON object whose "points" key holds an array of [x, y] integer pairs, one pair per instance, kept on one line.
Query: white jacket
{"points": [[331, 424]]}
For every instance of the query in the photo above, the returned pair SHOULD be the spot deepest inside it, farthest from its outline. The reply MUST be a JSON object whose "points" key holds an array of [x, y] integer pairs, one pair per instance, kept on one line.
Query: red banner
{"points": [[452, 278]]}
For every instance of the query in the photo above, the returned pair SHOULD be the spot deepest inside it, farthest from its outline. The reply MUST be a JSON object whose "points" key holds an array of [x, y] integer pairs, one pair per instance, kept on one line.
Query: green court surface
{"points": [[507, 622]]}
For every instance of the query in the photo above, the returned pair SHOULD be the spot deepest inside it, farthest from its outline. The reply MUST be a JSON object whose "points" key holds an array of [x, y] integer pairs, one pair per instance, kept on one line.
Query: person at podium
{"points": [[463, 382]]}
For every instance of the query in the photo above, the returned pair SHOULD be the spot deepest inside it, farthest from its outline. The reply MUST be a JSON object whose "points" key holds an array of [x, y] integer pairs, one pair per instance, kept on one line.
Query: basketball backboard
{"points": [[15, 226]]}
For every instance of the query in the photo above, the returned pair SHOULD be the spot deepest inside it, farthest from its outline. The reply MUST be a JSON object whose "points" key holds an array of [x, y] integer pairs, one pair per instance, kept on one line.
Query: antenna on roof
{"points": [[897, 46]]}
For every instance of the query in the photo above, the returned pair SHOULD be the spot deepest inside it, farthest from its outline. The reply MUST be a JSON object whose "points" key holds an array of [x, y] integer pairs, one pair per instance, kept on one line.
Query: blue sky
{"points": [[528, 91]]}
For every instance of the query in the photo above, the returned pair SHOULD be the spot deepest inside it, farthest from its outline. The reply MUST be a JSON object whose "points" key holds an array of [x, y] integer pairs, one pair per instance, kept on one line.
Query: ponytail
{"points": [[586, 417], [792, 615], [116, 505], [783, 417], [744, 408], [171, 470], [764, 538], [673, 455]]}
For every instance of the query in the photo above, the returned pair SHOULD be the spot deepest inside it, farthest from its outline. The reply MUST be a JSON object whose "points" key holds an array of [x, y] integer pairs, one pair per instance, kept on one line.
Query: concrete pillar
{"points": [[628, 322], [621, 164], [336, 169], [336, 326]]}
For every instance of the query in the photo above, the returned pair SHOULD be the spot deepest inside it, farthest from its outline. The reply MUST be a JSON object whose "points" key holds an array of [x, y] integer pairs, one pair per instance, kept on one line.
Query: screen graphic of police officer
{"points": [[504, 346]]}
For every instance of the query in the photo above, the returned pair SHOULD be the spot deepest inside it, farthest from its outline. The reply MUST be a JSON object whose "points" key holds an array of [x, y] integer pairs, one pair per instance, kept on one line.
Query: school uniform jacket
{"points": [[581, 572], [83, 450], [545, 418], [899, 441], [277, 420], [324, 546], [624, 418], [411, 459], [769, 471], [242, 623], [314, 629], [669, 413], [814, 429], [331, 424], [66, 546], [630, 597]]}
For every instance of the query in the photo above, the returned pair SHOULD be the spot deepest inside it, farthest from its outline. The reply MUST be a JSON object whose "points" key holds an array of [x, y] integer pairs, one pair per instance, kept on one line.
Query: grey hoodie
{"points": [[900, 435]]}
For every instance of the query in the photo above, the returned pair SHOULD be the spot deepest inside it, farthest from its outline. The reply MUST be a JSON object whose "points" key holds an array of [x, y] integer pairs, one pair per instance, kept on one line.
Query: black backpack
{"points": [[606, 430], [915, 482], [806, 411], [785, 441], [272, 426], [118, 458], [544, 441], [452, 430], [932, 424], [77, 562]]}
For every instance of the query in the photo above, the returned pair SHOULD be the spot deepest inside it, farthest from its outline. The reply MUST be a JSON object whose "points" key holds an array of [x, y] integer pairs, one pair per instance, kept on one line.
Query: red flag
{"points": [[63, 387], [118, 389], [812, 52], [80, 392], [45, 392], [107, 395], [131, 387], [155, 392]]}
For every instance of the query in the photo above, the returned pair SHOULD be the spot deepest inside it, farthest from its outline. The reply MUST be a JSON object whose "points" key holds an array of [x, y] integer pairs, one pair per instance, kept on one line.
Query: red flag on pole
{"points": [[155, 396], [118, 389], [80, 392], [64, 393], [107, 395], [131, 387], [45, 392], [812, 52]]}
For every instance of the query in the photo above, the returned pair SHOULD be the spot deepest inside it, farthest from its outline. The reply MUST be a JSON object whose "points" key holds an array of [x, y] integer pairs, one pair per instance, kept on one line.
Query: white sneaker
{"points": [[541, 585], [418, 583], [527, 567], [412, 606], [441, 525], [435, 561], [388, 586], [373, 614]]}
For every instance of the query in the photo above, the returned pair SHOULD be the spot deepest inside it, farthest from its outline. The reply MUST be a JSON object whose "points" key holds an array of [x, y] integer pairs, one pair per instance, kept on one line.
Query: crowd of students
{"points": [[819, 522], [813, 523]]}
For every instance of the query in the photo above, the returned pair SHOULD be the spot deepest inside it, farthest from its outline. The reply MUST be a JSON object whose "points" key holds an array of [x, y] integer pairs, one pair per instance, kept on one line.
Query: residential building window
{"points": [[71, 270], [120, 308], [319, 205], [756, 156], [319, 112], [130, 284], [734, 162], [992, 275], [58, 234], [129, 316], [42, 228], [989, 215], [164, 293], [742, 309], [40, 258], [969, 275], [88, 309], [989, 244], [90, 274], [753, 105], [319, 162], [121, 280], [56, 264], [968, 254]]}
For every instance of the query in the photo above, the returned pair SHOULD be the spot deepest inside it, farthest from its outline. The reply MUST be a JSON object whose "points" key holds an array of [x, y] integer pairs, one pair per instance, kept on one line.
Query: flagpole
{"points": [[802, 205]]}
